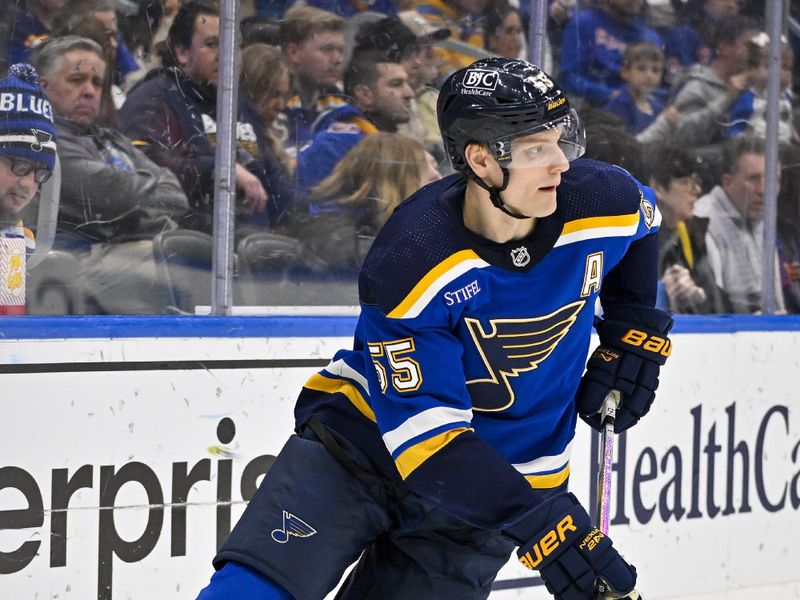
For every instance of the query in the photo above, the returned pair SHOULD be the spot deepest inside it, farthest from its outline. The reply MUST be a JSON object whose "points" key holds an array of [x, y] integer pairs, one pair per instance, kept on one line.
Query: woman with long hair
{"points": [[354, 201], [266, 83]]}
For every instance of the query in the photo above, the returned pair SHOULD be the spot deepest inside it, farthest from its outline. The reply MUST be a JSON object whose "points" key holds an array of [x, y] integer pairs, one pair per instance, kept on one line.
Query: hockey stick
{"points": [[608, 415], [605, 458]]}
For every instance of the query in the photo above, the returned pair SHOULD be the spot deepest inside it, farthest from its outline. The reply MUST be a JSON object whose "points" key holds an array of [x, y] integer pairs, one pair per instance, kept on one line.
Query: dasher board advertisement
{"points": [[127, 461]]}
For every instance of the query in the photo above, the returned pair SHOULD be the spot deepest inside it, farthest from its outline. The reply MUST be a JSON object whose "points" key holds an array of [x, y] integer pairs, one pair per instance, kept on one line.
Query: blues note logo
{"points": [[292, 526]]}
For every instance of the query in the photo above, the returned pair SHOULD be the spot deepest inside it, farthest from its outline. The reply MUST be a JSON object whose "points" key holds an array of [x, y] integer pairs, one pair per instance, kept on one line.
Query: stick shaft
{"points": [[606, 460]]}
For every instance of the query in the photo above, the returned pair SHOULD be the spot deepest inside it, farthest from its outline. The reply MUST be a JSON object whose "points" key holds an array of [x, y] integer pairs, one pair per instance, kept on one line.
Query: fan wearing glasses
{"points": [[27, 147]]}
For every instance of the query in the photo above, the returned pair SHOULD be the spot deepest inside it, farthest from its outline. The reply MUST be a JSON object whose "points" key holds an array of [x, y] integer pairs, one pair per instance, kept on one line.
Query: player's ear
{"points": [[479, 159]]}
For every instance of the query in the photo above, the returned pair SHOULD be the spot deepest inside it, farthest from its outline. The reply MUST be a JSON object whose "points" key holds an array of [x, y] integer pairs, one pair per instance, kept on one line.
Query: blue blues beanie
{"points": [[26, 117]]}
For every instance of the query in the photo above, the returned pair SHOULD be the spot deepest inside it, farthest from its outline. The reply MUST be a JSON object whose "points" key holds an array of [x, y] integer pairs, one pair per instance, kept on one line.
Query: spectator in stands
{"points": [[146, 32], [349, 8], [266, 81], [636, 102], [686, 274], [464, 19], [90, 27], [114, 199], [748, 114], [788, 227], [381, 100], [172, 116], [32, 21], [105, 11], [503, 31], [312, 41], [359, 195], [691, 41], [735, 209], [27, 151], [607, 140], [412, 47], [426, 84], [705, 100], [593, 44]]}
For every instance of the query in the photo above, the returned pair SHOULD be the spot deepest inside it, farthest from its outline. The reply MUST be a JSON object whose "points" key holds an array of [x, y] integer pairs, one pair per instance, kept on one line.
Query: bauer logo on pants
{"points": [[292, 526]]}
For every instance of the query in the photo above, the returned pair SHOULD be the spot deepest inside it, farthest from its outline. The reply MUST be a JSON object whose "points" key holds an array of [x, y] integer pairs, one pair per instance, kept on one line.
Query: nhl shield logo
{"points": [[520, 256]]}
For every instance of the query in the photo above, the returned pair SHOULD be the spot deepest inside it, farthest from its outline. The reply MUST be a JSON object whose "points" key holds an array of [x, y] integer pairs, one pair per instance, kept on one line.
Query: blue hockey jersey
{"points": [[468, 353]]}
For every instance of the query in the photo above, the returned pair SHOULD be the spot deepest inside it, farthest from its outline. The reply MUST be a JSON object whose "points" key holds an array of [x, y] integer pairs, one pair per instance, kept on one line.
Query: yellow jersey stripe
{"points": [[548, 481], [597, 222], [415, 455], [446, 271], [329, 385]]}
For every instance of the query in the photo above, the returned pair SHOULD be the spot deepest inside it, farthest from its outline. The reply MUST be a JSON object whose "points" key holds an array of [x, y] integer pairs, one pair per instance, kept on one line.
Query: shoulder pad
{"points": [[596, 189], [419, 237]]}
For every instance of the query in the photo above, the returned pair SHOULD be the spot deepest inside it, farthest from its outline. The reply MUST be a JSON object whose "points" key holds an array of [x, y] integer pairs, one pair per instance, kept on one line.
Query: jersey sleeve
{"points": [[634, 279], [424, 413]]}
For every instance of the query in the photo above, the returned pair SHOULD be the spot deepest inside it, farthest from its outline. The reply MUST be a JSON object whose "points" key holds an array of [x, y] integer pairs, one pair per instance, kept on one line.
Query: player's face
{"points": [[15, 191], [537, 163], [200, 62], [318, 59], [643, 76], [681, 195], [391, 95], [75, 88], [745, 186]]}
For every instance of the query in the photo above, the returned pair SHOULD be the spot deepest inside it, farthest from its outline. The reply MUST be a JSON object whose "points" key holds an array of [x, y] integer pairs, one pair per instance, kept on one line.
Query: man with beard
{"points": [[380, 100], [172, 116]]}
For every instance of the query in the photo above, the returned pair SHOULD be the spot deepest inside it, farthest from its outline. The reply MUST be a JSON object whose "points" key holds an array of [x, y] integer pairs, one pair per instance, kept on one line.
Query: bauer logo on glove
{"points": [[548, 543], [651, 343], [633, 346]]}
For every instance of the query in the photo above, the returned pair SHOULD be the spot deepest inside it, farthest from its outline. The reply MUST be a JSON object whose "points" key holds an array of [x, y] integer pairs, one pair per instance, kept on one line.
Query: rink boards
{"points": [[131, 446]]}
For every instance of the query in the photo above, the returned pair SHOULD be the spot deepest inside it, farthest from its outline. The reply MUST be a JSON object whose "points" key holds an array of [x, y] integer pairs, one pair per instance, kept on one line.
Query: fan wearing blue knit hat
{"points": [[27, 146], [27, 159]]}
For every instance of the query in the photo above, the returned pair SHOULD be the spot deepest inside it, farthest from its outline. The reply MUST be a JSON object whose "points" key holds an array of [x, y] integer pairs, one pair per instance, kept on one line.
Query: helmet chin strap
{"points": [[494, 194]]}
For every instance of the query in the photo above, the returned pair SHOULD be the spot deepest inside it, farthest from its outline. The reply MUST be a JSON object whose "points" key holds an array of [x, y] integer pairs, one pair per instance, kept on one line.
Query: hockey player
{"points": [[442, 440]]}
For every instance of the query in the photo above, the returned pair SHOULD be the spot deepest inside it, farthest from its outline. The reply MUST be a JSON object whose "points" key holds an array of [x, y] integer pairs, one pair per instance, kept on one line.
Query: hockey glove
{"points": [[633, 346], [569, 552]]}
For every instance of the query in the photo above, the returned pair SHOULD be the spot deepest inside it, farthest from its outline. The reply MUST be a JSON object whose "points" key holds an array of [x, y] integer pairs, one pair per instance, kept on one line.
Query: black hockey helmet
{"points": [[495, 100]]}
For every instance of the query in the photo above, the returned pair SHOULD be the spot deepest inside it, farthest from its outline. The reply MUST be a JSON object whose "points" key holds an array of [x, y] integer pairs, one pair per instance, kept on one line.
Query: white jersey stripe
{"points": [[422, 422], [429, 294], [545, 464], [342, 369]]}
